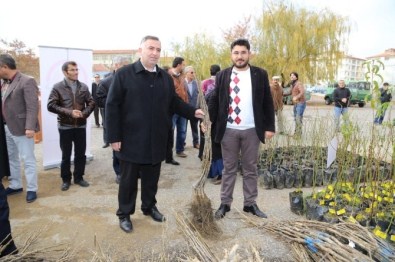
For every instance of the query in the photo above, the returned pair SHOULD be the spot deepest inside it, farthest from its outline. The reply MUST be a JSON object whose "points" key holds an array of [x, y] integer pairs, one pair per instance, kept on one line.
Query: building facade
{"points": [[388, 60], [351, 69], [102, 59]]}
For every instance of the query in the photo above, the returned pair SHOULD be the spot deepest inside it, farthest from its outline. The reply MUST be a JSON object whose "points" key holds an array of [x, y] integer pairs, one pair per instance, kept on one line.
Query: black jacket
{"points": [[262, 103], [4, 163], [385, 96], [102, 91], [138, 112], [62, 101], [339, 94]]}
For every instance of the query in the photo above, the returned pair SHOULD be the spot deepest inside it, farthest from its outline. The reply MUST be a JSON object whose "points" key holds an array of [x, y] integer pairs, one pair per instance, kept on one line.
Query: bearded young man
{"points": [[243, 115]]}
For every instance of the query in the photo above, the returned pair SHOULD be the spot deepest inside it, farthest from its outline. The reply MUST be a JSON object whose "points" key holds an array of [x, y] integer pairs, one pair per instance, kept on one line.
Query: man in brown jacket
{"points": [[73, 103], [277, 93], [19, 95], [179, 121]]}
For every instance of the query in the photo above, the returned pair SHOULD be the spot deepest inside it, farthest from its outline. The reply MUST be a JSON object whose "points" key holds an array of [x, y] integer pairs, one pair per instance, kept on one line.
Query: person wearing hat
{"points": [[277, 93]]}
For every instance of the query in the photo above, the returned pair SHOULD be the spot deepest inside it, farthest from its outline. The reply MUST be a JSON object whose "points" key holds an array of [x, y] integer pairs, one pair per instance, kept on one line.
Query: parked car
{"points": [[359, 91]]}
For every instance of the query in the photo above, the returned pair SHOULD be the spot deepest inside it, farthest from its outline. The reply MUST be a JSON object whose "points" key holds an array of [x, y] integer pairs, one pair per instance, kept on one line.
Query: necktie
{"points": [[234, 101]]}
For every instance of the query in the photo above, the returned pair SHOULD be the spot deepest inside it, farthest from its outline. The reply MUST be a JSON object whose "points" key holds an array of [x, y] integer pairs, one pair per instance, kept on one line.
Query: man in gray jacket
{"points": [[19, 96]]}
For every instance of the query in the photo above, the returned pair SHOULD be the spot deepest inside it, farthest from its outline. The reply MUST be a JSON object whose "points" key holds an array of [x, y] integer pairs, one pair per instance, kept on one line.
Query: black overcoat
{"points": [[139, 108], [4, 163]]}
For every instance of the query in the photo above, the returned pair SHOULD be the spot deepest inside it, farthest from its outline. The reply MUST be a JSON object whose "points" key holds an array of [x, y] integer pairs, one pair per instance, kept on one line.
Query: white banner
{"points": [[51, 61]]}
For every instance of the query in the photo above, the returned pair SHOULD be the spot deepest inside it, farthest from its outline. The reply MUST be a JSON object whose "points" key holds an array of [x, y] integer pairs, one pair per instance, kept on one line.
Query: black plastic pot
{"points": [[330, 176], [265, 179], [296, 202], [289, 178], [314, 211], [278, 178], [308, 176]]}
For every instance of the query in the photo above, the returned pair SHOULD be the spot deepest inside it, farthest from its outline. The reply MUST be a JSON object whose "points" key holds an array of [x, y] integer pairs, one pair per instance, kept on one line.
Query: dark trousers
{"points": [[103, 119], [202, 142], [170, 144], [115, 163], [68, 137], [5, 227], [195, 131], [128, 187], [96, 114]]}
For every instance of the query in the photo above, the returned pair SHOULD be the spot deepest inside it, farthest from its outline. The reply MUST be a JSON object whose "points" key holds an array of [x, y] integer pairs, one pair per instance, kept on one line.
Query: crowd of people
{"points": [[143, 106]]}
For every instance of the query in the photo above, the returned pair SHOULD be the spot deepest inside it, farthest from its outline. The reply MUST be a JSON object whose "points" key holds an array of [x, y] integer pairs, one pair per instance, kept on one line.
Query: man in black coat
{"points": [[5, 227], [139, 104], [95, 84]]}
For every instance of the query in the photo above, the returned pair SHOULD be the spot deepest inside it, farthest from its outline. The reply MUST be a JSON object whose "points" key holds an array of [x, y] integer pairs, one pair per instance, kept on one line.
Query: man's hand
{"points": [[29, 133], [344, 100], [116, 146], [203, 127], [269, 134], [76, 114], [199, 113]]}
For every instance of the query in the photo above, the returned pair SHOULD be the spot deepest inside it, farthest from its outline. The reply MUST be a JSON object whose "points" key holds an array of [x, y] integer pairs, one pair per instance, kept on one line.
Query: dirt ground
{"points": [[85, 217]]}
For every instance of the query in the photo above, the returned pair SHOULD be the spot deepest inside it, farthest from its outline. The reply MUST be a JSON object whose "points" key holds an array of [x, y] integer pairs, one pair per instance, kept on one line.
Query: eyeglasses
{"points": [[97, 76]]}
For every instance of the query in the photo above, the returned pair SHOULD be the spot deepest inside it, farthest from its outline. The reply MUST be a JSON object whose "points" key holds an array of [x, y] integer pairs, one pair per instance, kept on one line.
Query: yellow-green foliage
{"points": [[290, 39]]}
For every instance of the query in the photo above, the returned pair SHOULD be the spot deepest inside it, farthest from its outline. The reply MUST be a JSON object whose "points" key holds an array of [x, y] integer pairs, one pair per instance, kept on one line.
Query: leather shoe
{"points": [[126, 224], [31, 196], [82, 183], [221, 212], [155, 214], [10, 191], [181, 154], [253, 209], [65, 186], [173, 162]]}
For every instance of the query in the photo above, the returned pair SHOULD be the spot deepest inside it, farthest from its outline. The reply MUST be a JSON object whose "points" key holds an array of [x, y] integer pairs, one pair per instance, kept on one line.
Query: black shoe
{"points": [[126, 224], [253, 209], [155, 214], [10, 191], [82, 183], [117, 179], [173, 162], [65, 186], [106, 145], [221, 212], [31, 196]]}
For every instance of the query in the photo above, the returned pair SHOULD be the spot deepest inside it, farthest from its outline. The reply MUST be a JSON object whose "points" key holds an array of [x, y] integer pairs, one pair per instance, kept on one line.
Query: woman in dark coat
{"points": [[5, 227]]}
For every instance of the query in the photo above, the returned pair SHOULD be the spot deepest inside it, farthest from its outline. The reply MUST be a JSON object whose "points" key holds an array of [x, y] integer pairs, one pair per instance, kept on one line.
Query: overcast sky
{"points": [[120, 24]]}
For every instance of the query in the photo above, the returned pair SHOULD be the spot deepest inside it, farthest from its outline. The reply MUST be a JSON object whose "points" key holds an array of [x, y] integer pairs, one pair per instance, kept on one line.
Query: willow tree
{"points": [[199, 51], [26, 60], [289, 39], [202, 50]]}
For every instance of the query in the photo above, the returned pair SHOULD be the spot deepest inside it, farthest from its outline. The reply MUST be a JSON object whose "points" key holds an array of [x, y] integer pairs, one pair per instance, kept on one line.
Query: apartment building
{"points": [[351, 69], [388, 59], [102, 59]]}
